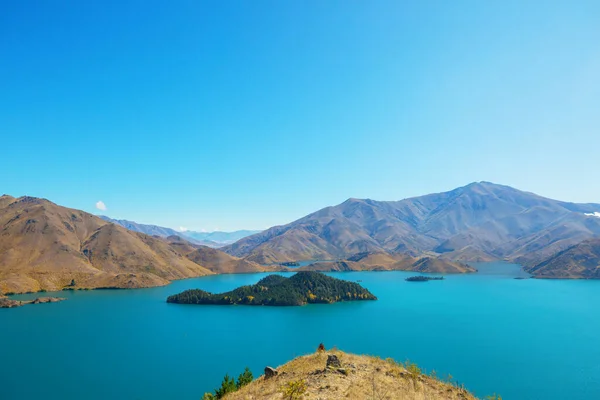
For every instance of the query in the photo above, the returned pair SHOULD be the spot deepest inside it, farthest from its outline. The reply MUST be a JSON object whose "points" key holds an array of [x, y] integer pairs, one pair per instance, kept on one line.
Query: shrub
{"points": [[412, 368], [294, 390], [230, 385]]}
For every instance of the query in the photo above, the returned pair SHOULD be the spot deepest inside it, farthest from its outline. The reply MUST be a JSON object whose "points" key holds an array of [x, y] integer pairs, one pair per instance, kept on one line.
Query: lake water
{"points": [[524, 339]]}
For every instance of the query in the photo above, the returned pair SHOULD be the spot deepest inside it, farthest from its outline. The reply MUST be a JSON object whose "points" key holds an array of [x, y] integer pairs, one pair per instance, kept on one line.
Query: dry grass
{"points": [[363, 377]]}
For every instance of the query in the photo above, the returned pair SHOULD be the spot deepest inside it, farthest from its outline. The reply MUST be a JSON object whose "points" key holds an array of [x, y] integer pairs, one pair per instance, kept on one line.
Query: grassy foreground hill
{"points": [[276, 290], [357, 377]]}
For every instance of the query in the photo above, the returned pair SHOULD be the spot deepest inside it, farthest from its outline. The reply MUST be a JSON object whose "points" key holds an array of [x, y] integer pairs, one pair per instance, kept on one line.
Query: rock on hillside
{"points": [[318, 376]]}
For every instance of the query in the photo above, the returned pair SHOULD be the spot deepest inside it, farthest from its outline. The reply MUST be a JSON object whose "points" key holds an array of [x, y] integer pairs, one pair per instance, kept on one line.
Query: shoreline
{"points": [[287, 270]]}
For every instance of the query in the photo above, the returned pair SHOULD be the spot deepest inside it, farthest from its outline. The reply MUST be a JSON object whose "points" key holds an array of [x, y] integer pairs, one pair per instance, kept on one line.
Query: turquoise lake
{"points": [[523, 339]]}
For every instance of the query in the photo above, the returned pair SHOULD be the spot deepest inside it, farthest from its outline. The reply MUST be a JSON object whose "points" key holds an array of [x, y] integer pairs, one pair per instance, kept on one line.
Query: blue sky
{"points": [[247, 114]]}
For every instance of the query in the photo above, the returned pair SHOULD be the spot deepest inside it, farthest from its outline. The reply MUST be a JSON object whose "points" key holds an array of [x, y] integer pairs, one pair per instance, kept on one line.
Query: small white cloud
{"points": [[100, 205], [183, 229], [594, 214]]}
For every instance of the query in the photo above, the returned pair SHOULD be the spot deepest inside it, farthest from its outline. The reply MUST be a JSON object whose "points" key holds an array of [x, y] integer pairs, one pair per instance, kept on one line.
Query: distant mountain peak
{"points": [[481, 220], [211, 239]]}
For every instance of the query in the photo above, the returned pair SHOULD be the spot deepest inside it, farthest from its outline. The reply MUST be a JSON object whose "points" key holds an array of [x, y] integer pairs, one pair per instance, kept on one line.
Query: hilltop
{"points": [[478, 222], [44, 246], [335, 375], [275, 290]]}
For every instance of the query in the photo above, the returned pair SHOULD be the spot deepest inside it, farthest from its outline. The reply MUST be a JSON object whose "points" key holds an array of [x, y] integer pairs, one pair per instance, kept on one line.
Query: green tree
{"points": [[227, 386], [245, 378]]}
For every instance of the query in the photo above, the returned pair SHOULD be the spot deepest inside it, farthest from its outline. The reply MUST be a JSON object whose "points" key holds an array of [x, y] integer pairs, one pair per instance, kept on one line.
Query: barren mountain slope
{"points": [[478, 222], [44, 246], [579, 261]]}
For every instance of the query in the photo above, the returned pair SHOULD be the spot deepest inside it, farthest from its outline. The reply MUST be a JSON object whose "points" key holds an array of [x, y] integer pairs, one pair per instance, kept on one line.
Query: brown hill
{"points": [[181, 245], [216, 260], [223, 263], [381, 261], [44, 246], [579, 261], [357, 377], [478, 222]]}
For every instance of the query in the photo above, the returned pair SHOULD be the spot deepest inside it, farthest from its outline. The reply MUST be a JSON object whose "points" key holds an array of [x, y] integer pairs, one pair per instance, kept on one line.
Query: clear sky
{"points": [[247, 114]]}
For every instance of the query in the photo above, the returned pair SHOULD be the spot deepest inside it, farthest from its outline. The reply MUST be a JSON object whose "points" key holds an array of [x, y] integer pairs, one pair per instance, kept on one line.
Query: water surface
{"points": [[524, 339]]}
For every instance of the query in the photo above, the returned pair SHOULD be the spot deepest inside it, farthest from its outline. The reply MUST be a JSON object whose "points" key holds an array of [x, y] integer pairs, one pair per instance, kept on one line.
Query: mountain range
{"points": [[210, 239], [44, 246], [219, 237], [478, 222]]}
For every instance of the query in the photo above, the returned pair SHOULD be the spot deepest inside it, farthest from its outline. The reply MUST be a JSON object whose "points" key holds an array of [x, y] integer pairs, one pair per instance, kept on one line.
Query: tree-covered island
{"points": [[275, 290]]}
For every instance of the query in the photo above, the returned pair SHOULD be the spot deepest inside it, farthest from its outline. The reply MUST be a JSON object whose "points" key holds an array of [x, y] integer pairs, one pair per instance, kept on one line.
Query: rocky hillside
{"points": [[331, 375], [44, 246], [479, 222], [579, 261]]}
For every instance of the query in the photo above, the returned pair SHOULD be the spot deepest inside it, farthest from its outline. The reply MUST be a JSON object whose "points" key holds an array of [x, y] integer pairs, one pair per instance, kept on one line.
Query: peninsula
{"points": [[9, 303]]}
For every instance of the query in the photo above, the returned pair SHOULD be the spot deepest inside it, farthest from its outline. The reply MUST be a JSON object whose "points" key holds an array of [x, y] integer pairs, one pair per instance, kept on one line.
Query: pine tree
{"points": [[245, 378], [227, 386]]}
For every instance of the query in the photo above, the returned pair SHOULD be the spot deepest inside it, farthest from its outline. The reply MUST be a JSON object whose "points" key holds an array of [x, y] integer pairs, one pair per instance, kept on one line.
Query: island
{"points": [[422, 278], [290, 264], [275, 290]]}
